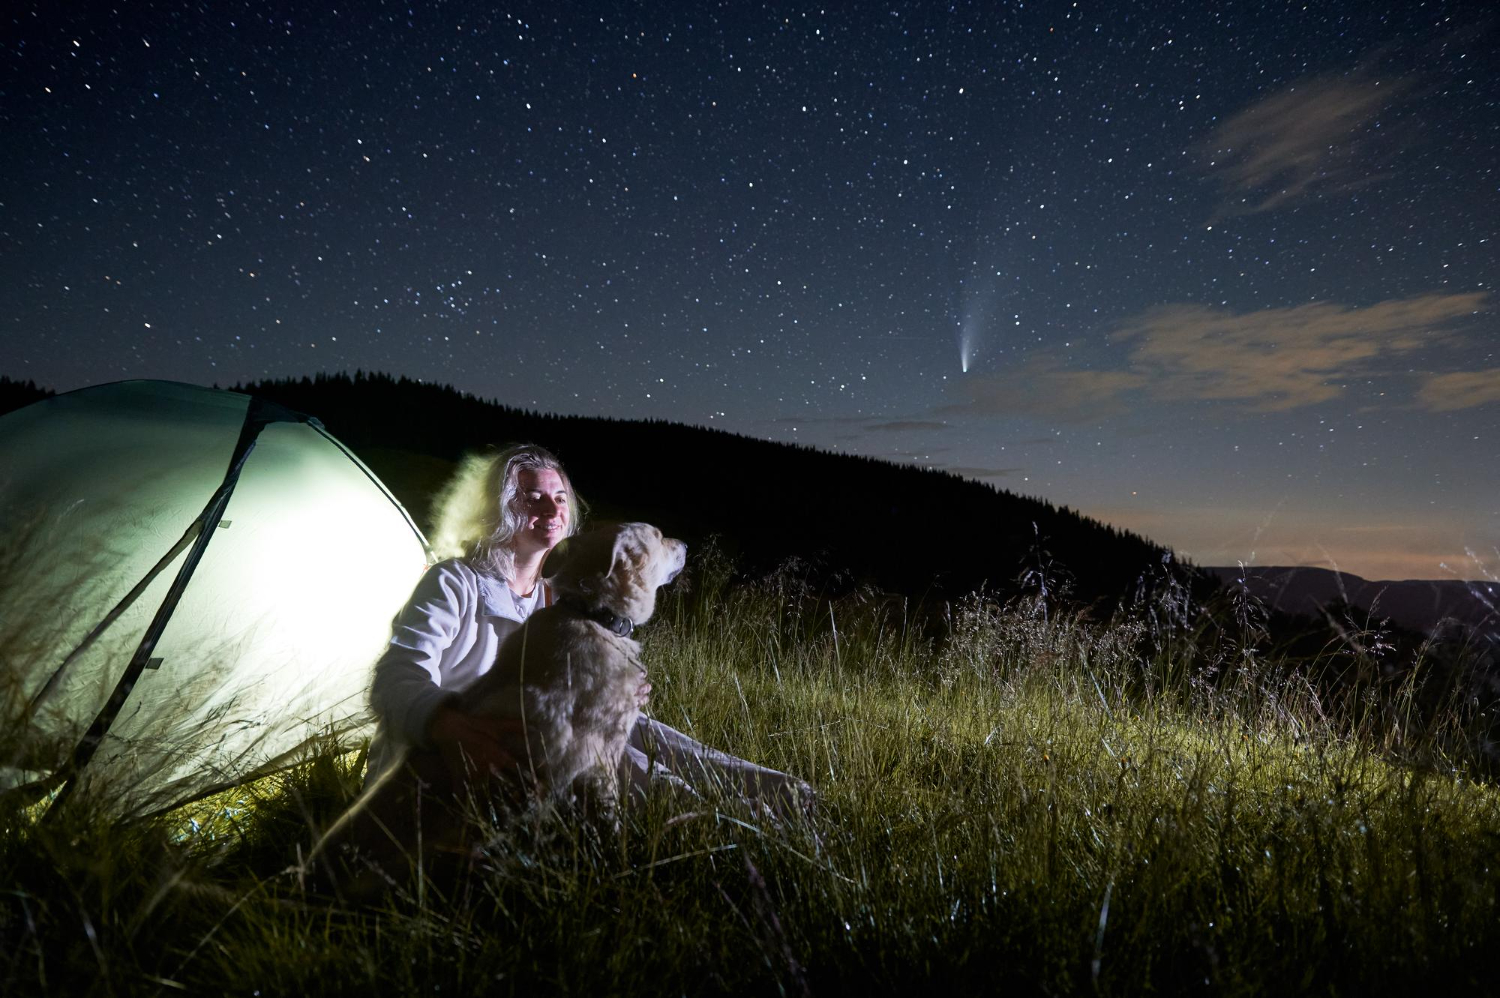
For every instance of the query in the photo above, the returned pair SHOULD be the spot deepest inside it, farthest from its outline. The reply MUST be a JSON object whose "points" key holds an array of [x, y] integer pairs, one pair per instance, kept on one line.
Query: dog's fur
{"points": [[568, 679]]}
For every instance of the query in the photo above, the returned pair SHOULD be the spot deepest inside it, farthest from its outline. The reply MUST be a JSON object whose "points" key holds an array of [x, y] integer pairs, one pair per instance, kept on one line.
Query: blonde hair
{"points": [[476, 511]]}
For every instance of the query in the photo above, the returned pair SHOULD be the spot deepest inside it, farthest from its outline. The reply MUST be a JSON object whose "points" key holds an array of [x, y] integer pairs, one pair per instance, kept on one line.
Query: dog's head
{"points": [[617, 566]]}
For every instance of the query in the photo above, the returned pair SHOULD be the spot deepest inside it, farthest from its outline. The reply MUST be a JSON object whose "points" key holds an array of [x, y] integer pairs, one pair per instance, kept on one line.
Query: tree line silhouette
{"points": [[909, 530]]}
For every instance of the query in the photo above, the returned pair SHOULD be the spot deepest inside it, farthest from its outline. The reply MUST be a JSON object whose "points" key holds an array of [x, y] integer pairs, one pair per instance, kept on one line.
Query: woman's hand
{"points": [[470, 744]]}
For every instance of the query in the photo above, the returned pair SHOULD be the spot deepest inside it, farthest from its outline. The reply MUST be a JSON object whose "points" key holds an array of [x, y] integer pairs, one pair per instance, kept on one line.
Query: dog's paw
{"points": [[784, 799], [801, 798]]}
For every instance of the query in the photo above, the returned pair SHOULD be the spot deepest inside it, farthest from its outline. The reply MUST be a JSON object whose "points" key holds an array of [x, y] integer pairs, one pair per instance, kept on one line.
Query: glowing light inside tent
{"points": [[273, 640]]}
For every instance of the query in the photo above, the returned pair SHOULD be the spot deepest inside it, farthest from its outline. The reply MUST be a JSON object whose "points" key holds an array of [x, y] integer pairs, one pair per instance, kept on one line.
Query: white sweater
{"points": [[448, 635]]}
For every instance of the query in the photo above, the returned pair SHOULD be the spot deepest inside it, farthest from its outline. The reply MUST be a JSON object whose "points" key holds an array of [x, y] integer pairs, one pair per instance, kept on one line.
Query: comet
{"points": [[980, 300], [968, 338]]}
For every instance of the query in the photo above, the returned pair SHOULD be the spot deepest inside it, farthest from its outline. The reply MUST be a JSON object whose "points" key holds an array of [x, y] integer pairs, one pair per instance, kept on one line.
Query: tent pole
{"points": [[256, 419], [113, 615]]}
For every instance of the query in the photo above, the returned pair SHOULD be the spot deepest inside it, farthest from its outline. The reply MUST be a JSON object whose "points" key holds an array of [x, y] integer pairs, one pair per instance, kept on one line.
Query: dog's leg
{"points": [[607, 789]]}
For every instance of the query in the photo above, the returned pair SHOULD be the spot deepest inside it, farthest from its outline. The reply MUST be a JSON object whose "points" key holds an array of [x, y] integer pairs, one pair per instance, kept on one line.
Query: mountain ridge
{"points": [[1418, 604]]}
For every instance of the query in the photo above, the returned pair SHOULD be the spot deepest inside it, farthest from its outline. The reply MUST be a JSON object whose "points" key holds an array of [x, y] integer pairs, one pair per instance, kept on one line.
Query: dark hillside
{"points": [[908, 530]]}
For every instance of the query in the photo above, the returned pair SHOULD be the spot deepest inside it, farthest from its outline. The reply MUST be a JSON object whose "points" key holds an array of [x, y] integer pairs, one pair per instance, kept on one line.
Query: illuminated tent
{"points": [[147, 661]]}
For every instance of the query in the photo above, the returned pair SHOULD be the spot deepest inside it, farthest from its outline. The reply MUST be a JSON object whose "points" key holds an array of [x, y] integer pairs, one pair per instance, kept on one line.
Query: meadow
{"points": [[1012, 797]]}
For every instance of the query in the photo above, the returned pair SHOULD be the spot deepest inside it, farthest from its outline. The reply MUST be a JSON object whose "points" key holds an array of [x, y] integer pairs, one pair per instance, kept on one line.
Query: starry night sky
{"points": [[1219, 273]]}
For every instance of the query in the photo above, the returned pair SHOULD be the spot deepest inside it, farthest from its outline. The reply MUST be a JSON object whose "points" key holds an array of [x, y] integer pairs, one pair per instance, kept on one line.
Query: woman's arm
{"points": [[408, 685]]}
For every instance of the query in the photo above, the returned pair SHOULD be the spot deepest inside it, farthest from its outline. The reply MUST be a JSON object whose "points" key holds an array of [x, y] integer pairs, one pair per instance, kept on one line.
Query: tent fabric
{"points": [[269, 646]]}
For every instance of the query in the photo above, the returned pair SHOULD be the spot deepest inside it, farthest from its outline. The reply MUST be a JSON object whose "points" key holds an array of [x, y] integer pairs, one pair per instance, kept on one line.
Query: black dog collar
{"points": [[610, 621]]}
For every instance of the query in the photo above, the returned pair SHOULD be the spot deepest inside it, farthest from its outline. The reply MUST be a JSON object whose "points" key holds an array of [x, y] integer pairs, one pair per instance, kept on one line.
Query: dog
{"points": [[573, 677], [564, 694]]}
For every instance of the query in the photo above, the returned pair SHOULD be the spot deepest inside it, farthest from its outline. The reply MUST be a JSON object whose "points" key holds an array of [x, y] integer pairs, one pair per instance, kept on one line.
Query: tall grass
{"points": [[1010, 797]]}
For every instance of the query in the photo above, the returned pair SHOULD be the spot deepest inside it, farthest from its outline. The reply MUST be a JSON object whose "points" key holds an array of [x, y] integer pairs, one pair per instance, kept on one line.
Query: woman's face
{"points": [[542, 501]]}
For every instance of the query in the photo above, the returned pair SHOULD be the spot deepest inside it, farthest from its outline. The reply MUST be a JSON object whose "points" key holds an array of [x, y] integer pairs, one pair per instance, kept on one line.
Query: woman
{"points": [[502, 515]]}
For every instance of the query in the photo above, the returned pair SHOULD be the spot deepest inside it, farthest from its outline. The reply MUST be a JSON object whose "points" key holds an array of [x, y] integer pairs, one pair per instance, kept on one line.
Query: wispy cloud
{"points": [[864, 423], [904, 425], [965, 471], [1323, 135], [1045, 386], [1268, 360], [819, 420], [1460, 390], [1281, 358]]}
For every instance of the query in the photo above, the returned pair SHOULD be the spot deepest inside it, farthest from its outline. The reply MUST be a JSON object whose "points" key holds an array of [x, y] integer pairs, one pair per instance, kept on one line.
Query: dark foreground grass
{"points": [[1026, 806]]}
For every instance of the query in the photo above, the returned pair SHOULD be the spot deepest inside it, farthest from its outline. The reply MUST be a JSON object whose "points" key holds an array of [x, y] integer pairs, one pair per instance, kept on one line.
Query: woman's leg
{"points": [[639, 770], [702, 767]]}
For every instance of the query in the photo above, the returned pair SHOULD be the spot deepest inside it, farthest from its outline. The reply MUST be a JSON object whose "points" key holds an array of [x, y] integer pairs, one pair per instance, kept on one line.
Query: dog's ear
{"points": [[629, 547], [578, 562]]}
